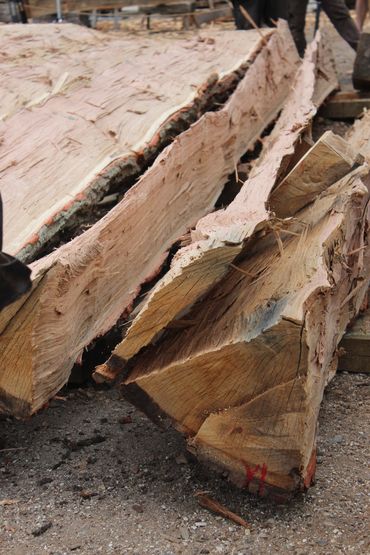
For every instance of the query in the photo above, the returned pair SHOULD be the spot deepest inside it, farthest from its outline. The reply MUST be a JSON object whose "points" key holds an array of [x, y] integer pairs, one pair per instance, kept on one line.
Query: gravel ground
{"points": [[92, 475]]}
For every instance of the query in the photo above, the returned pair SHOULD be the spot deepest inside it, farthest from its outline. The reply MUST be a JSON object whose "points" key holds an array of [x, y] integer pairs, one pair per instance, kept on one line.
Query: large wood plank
{"points": [[220, 237], [116, 112], [82, 289]]}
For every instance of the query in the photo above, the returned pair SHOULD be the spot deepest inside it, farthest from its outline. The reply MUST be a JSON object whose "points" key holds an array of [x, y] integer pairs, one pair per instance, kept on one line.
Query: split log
{"points": [[244, 378], [115, 105], [83, 288], [220, 237]]}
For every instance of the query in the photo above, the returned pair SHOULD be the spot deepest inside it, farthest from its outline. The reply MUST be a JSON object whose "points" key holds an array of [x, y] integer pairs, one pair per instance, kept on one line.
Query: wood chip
{"points": [[5, 502], [215, 507]]}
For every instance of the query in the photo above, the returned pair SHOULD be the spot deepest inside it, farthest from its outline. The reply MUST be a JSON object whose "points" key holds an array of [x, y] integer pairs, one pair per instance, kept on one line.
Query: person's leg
{"points": [[254, 9], [297, 19], [274, 10], [362, 7], [339, 15], [238, 16]]}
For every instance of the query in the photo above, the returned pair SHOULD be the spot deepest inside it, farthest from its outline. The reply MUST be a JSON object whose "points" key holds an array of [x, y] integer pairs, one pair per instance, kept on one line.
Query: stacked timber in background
{"points": [[242, 333], [5, 13], [76, 145]]}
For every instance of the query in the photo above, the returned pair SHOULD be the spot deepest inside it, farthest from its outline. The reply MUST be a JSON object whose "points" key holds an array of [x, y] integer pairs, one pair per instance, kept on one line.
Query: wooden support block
{"points": [[84, 287], [345, 105], [99, 122], [361, 69], [355, 346]]}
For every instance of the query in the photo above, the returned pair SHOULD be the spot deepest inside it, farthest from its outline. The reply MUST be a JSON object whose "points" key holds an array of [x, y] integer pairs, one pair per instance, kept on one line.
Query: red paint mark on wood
{"points": [[252, 474], [311, 469], [261, 487]]}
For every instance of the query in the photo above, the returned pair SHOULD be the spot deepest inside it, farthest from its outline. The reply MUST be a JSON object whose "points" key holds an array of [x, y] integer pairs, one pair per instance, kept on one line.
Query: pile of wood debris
{"points": [[238, 335]]}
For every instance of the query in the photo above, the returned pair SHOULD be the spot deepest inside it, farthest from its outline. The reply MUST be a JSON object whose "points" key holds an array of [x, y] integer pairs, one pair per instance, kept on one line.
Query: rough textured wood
{"points": [[355, 346], [330, 159], [219, 237], [118, 101], [85, 286], [244, 381]]}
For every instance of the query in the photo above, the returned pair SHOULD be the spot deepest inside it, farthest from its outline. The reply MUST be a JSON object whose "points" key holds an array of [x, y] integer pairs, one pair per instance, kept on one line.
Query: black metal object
{"points": [[15, 277]]}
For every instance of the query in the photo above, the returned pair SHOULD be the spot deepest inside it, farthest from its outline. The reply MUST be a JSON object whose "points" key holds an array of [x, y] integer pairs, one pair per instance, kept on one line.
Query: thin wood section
{"points": [[83, 288], [330, 159], [245, 380], [219, 237], [101, 122], [355, 346]]}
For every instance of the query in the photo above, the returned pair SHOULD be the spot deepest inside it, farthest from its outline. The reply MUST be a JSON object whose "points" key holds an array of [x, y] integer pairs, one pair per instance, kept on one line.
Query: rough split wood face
{"points": [[82, 289], [219, 237], [244, 380]]}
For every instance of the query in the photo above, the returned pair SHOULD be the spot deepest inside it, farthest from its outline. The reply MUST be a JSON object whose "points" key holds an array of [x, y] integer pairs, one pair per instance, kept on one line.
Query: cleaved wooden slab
{"points": [[325, 163], [220, 237], [244, 378], [82, 289], [97, 113]]}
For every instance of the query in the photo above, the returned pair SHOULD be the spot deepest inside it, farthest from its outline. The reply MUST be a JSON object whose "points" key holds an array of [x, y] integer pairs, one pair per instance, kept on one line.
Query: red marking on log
{"points": [[251, 474], [261, 487], [310, 472]]}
